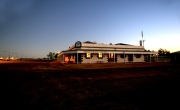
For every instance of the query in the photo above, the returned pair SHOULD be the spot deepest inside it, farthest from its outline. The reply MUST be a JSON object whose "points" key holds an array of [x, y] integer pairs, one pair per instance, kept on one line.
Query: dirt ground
{"points": [[31, 85]]}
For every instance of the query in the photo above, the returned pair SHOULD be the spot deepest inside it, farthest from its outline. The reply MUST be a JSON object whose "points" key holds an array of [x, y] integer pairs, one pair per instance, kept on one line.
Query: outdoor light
{"points": [[1, 58]]}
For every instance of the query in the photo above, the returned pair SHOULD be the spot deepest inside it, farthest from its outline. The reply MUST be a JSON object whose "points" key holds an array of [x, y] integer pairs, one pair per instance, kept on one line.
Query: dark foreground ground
{"points": [[50, 85]]}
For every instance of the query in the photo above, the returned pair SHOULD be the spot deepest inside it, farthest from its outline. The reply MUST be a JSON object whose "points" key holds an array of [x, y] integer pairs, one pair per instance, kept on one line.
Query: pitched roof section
{"points": [[89, 42], [101, 46], [123, 44]]}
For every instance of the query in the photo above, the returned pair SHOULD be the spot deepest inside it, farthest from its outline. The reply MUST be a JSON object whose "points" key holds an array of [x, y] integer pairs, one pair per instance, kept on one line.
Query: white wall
{"points": [[121, 60], [60, 58], [94, 59], [141, 59]]}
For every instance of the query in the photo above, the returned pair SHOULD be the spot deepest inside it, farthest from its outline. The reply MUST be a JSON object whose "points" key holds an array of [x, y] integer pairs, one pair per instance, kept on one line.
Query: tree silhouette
{"points": [[163, 52], [51, 55]]}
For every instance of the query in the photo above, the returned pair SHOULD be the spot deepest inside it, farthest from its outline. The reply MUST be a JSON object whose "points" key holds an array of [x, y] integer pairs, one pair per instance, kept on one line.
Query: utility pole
{"points": [[9, 54], [16, 54]]}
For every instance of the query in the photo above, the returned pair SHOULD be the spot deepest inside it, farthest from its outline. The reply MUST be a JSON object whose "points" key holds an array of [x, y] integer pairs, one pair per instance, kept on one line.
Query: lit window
{"points": [[88, 55], [111, 55], [100, 55]]}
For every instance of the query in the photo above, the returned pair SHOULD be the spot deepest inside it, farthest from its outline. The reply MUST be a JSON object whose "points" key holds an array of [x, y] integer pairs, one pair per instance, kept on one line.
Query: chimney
{"points": [[140, 42]]}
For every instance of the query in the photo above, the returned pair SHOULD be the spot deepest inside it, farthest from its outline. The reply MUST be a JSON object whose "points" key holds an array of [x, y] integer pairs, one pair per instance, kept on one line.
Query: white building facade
{"points": [[92, 52]]}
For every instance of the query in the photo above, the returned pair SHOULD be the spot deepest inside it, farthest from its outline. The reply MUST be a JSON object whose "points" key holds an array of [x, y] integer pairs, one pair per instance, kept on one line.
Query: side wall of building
{"points": [[60, 58], [66, 58], [69, 58]]}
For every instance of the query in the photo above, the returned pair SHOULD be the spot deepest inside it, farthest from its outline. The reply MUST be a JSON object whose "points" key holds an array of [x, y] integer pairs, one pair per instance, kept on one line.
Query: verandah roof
{"points": [[116, 52]]}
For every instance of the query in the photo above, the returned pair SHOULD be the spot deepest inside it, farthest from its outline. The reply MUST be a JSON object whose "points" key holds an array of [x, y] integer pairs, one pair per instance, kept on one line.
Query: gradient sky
{"points": [[36, 27]]}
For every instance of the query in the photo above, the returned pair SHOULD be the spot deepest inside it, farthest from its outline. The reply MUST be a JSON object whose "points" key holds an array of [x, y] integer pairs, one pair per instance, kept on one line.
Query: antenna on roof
{"points": [[142, 38]]}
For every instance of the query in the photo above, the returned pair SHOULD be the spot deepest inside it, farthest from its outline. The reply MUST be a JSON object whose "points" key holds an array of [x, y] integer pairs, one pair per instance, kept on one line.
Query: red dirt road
{"points": [[51, 85]]}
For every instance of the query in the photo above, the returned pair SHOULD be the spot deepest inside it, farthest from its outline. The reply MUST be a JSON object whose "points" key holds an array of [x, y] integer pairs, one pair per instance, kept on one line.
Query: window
{"points": [[123, 56], [88, 55], [111, 55], [100, 55], [138, 55], [130, 57]]}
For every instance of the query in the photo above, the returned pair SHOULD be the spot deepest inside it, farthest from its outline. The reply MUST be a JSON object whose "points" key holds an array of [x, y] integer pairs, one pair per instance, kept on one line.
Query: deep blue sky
{"points": [[36, 27]]}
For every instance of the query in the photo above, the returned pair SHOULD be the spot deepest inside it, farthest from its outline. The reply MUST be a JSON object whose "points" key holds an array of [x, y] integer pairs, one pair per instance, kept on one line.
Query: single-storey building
{"points": [[92, 52]]}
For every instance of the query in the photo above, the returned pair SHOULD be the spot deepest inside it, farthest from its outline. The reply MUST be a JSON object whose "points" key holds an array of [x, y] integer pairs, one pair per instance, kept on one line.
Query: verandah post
{"points": [[124, 57], [77, 57], [114, 57]]}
